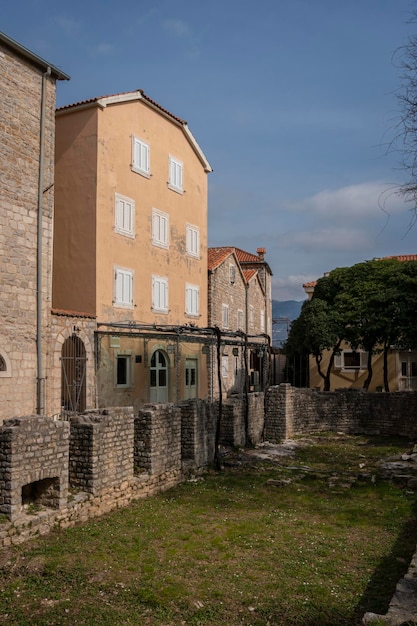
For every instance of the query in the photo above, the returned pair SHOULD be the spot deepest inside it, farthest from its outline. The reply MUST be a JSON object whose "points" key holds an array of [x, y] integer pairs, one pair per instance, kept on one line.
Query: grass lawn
{"points": [[295, 542]]}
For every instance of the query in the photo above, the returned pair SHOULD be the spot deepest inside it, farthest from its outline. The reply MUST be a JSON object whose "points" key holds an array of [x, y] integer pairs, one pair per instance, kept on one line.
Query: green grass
{"points": [[230, 549]]}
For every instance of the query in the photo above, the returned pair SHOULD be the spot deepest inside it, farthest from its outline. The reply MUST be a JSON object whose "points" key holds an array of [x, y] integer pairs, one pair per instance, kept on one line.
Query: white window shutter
{"points": [[364, 360], [337, 361]]}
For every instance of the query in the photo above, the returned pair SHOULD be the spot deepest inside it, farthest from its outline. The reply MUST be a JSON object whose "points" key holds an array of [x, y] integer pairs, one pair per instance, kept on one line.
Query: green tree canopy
{"points": [[371, 305]]}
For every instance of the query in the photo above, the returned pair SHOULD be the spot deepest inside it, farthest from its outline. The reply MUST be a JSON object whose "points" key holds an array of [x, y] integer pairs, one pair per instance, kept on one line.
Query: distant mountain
{"points": [[286, 308], [283, 312]]}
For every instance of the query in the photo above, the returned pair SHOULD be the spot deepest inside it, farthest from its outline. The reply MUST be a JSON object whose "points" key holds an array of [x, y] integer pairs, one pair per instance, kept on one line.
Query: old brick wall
{"points": [[158, 439], [33, 449], [290, 411], [20, 95], [198, 427], [235, 420], [101, 449]]}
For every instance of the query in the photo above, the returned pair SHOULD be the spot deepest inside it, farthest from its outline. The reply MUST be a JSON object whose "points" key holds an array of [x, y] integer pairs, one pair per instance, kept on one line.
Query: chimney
{"points": [[261, 253]]}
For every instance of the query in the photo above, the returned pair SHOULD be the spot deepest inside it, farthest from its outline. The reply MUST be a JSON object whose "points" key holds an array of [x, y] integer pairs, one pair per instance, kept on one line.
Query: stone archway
{"points": [[73, 375]]}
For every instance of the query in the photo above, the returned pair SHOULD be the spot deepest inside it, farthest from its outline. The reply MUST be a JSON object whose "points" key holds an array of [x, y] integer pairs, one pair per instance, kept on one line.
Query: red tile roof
{"points": [[216, 256], [72, 313], [248, 274], [399, 257], [141, 94]]}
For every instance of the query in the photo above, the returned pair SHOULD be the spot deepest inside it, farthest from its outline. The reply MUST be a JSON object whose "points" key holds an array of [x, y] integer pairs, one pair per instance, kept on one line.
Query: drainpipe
{"points": [[40, 379]]}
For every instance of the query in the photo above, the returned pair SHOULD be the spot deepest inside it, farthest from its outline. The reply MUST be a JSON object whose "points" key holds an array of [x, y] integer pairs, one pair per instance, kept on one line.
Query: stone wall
{"points": [[101, 449], [158, 439], [33, 464], [20, 93], [291, 411], [198, 427], [233, 423]]}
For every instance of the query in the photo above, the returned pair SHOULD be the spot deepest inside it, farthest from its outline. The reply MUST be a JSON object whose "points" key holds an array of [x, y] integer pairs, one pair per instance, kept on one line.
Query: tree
{"points": [[406, 136], [371, 305], [313, 332]]}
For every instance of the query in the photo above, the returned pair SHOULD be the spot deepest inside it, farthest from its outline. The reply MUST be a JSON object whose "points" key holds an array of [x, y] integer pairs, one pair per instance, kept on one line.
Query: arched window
{"points": [[5, 367]]}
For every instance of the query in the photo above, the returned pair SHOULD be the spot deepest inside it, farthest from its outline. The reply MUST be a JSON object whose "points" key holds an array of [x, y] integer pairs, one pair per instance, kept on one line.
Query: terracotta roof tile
{"points": [[399, 257], [72, 313], [125, 93], [216, 256], [248, 274]]}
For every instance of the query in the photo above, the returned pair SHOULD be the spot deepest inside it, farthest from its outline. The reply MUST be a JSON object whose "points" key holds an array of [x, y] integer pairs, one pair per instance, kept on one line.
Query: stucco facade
{"points": [[131, 242], [350, 370], [27, 135]]}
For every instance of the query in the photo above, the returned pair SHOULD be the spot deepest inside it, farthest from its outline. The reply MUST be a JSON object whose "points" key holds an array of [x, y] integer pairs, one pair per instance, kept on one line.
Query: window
{"points": [[123, 370], [123, 287], [232, 274], [351, 360], [225, 315], [251, 316], [175, 175], [225, 366], [159, 294], [124, 215], [160, 223], [193, 240], [263, 321], [140, 156], [192, 300], [240, 319], [5, 367]]}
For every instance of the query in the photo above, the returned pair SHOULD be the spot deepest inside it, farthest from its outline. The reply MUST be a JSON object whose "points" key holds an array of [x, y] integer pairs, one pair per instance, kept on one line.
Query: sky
{"points": [[293, 102]]}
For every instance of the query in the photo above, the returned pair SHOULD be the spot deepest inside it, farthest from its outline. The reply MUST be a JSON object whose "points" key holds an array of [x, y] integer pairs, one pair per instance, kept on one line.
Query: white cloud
{"points": [[103, 48], [363, 200], [176, 27], [290, 287], [68, 24], [328, 238], [181, 31]]}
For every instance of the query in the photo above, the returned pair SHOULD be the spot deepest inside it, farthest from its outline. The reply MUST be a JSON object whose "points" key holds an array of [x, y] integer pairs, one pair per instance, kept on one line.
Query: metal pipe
{"points": [[40, 409]]}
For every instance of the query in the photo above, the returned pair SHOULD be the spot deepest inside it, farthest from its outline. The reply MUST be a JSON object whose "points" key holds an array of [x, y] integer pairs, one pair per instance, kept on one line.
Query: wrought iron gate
{"points": [[73, 376]]}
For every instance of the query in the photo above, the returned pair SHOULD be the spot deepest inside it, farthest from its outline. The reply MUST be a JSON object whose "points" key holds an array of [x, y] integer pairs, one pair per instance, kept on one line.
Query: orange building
{"points": [[130, 244]]}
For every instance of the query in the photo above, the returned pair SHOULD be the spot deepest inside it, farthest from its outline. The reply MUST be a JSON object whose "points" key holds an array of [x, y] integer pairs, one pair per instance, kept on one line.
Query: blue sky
{"points": [[292, 101]]}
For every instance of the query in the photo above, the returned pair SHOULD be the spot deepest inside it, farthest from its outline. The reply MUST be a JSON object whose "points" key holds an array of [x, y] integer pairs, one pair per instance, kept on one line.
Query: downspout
{"points": [[40, 380]]}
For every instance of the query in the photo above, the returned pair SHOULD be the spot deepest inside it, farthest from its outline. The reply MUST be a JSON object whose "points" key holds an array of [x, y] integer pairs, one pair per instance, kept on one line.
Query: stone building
{"points": [[240, 305], [27, 138], [130, 252]]}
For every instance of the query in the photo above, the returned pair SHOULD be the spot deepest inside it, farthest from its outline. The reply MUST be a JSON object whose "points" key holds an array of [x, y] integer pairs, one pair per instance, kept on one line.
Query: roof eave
{"points": [[32, 57]]}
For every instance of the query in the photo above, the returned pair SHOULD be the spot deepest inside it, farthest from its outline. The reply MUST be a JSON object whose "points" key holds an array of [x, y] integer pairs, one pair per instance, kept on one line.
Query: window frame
{"points": [[192, 240], [159, 288], [139, 167], [262, 320], [232, 273], [225, 315], [240, 319], [118, 228], [7, 372], [192, 297], [251, 315], [225, 366], [339, 361], [126, 356], [160, 216], [124, 274], [175, 174]]}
